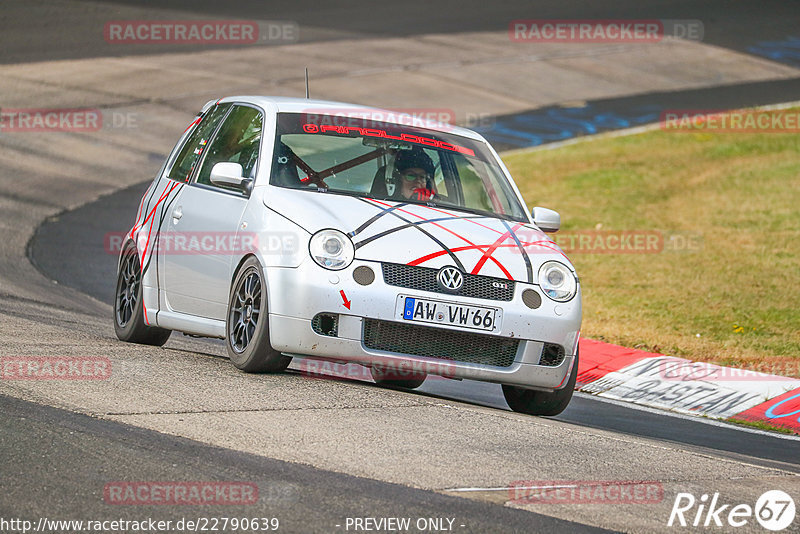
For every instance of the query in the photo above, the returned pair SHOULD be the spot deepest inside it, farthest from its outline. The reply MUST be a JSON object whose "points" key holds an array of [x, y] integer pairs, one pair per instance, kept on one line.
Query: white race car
{"points": [[295, 227]]}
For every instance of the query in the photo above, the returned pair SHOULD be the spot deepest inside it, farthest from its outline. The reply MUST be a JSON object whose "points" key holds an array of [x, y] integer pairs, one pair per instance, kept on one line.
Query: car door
{"points": [[203, 236]]}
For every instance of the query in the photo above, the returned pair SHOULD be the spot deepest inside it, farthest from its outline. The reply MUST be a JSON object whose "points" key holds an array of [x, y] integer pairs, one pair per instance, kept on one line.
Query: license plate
{"points": [[419, 310]]}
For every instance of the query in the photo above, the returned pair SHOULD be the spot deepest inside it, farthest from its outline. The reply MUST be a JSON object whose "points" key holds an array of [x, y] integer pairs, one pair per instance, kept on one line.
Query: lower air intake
{"points": [[552, 355], [325, 324], [439, 343]]}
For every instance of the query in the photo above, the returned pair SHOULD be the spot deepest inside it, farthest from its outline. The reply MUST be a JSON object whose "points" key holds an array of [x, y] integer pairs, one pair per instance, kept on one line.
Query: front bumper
{"points": [[297, 295]]}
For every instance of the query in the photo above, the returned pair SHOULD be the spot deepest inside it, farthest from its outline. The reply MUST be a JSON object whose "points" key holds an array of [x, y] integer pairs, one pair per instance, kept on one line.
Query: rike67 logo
{"points": [[774, 510]]}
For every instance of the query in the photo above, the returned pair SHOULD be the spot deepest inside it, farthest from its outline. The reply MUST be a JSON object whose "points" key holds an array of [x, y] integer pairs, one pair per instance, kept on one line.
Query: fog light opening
{"points": [[531, 298], [363, 275]]}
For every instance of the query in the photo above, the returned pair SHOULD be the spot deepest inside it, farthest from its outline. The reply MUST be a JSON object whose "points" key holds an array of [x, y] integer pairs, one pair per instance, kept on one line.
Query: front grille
{"points": [[424, 279], [439, 343]]}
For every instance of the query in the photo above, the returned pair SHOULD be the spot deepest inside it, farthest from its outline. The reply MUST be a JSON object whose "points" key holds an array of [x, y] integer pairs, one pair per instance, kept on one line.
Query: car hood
{"points": [[427, 236]]}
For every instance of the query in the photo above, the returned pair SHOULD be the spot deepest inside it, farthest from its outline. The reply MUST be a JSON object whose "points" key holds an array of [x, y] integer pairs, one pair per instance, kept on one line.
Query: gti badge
{"points": [[450, 279]]}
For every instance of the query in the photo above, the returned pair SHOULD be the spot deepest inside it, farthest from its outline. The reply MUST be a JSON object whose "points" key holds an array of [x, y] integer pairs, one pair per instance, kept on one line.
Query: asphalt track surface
{"points": [[71, 456], [42, 440], [48, 30]]}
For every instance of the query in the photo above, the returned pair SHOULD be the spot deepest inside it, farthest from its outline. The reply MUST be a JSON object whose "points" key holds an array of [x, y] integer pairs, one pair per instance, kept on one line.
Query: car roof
{"points": [[303, 105]]}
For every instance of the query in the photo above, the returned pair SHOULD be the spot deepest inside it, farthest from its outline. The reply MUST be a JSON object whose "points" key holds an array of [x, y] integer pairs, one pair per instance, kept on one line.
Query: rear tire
{"points": [[247, 323], [129, 324], [545, 403], [386, 377]]}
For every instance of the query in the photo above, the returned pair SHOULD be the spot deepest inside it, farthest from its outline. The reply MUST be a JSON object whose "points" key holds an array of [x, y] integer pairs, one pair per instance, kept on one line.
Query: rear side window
{"points": [[195, 144]]}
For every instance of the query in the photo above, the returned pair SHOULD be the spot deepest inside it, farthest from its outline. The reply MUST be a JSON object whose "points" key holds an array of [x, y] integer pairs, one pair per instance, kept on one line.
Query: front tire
{"points": [[129, 324], [545, 403], [247, 323]]}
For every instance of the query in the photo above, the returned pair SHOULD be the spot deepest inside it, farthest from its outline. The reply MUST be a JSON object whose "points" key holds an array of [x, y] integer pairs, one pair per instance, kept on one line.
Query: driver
{"points": [[415, 169]]}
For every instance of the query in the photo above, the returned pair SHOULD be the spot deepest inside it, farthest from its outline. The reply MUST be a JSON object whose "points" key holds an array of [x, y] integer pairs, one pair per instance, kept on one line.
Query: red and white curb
{"points": [[688, 387]]}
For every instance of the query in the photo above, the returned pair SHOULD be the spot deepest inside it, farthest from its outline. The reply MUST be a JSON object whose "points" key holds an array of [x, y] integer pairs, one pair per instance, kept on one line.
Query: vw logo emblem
{"points": [[450, 278]]}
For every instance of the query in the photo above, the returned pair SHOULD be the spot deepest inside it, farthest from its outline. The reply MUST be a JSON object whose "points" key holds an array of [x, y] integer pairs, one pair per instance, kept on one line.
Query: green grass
{"points": [[760, 425], [737, 194]]}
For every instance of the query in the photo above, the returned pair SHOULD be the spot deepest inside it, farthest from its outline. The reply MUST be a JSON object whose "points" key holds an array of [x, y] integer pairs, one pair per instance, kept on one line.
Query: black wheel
{"points": [[541, 402], [129, 322], [247, 326], [398, 378]]}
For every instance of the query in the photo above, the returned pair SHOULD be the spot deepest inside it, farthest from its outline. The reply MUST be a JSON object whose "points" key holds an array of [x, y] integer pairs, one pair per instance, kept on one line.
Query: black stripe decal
{"points": [[433, 238], [398, 228], [522, 251], [374, 218], [163, 216]]}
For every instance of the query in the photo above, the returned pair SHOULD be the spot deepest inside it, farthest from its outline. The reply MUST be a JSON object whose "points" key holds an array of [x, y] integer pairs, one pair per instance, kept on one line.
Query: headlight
{"points": [[331, 249], [557, 281]]}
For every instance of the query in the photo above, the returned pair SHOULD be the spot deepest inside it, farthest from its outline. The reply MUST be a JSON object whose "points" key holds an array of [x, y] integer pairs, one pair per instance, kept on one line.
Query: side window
{"points": [[238, 141], [187, 159]]}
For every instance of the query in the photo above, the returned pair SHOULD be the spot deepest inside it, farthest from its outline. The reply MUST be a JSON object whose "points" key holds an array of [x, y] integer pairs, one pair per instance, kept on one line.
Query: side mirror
{"points": [[228, 174], [547, 220]]}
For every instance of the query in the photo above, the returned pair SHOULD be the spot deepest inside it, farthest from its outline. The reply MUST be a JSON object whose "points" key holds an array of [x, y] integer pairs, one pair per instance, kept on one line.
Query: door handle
{"points": [[177, 213]]}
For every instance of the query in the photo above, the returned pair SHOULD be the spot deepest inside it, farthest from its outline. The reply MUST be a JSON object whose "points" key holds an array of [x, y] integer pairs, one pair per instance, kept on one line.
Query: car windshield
{"points": [[361, 157]]}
